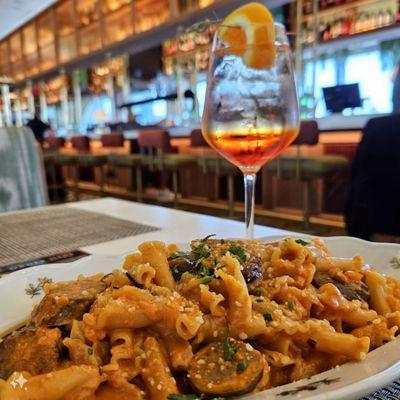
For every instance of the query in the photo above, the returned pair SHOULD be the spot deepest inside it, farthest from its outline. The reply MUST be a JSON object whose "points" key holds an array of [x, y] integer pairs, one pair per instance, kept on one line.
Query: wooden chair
{"points": [[124, 161], [160, 155], [51, 160], [216, 167], [305, 168], [84, 158]]}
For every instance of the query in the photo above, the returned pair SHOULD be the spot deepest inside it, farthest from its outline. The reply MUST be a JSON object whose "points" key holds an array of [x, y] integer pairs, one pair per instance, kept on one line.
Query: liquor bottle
{"points": [[326, 35], [346, 26], [388, 17], [398, 12], [380, 19], [308, 7]]}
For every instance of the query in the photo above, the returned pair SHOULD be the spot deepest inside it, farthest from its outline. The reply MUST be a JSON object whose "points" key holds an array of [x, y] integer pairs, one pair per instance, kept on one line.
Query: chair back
{"points": [[309, 133], [156, 141], [54, 143], [22, 171], [197, 139], [80, 143], [114, 139]]}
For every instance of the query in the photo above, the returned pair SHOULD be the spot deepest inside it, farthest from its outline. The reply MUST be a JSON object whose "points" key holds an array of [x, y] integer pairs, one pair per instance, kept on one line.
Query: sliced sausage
{"points": [[351, 290], [67, 301], [210, 373], [33, 350]]}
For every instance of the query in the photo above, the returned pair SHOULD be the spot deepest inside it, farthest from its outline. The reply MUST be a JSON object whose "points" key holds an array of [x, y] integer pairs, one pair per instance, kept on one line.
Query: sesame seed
{"points": [[209, 385], [159, 387], [151, 380], [201, 362], [249, 347], [362, 355], [199, 319], [242, 335], [166, 369], [238, 304], [222, 367], [212, 365], [142, 393], [131, 309], [215, 333], [220, 360], [181, 308], [85, 292], [197, 376]]}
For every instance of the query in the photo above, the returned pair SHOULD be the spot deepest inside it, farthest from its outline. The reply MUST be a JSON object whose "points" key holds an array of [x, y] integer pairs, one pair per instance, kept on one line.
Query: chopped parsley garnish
{"points": [[183, 397], [90, 351], [258, 292], [203, 269], [206, 280], [259, 300], [309, 377], [230, 349], [369, 322], [290, 305], [200, 252], [238, 251], [177, 254], [215, 261], [268, 317], [302, 242], [241, 366]]}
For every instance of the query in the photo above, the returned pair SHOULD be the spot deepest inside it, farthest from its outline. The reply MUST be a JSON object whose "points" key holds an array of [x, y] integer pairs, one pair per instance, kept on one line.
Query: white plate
{"points": [[347, 382]]}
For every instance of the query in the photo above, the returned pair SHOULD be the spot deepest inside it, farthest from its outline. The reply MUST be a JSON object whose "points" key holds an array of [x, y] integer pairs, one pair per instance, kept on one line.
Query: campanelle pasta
{"points": [[228, 317]]}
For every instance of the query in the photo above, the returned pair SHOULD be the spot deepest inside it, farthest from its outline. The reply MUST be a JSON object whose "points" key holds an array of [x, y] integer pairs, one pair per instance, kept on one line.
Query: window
{"points": [[375, 82]]}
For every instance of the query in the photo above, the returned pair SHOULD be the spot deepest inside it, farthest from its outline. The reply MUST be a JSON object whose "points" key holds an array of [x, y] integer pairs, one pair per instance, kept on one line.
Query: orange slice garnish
{"points": [[249, 32]]}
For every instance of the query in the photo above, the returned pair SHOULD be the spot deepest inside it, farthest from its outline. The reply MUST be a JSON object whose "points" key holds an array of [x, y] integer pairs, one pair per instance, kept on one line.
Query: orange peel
{"points": [[249, 32]]}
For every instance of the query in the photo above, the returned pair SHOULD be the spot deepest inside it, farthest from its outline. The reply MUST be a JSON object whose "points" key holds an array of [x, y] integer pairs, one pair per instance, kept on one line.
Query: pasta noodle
{"points": [[230, 316]]}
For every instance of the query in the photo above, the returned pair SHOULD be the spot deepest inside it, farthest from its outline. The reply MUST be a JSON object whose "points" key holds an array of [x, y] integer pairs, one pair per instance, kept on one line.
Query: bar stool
{"points": [[307, 169], [124, 161], [160, 155], [216, 167], [86, 159], [50, 158]]}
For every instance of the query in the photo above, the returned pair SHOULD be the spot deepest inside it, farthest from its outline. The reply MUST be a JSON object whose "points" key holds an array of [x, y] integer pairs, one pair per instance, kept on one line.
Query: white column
{"points": [[77, 98], [43, 103], [193, 86], [5, 95], [125, 84], [64, 106], [18, 112], [31, 100], [111, 95]]}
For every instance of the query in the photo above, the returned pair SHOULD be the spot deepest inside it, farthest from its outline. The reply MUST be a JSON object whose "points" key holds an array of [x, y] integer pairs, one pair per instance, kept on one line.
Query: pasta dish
{"points": [[223, 319]]}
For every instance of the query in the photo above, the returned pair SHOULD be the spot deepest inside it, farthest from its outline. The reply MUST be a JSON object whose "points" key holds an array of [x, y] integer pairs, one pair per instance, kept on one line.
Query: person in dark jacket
{"points": [[373, 203], [38, 128]]}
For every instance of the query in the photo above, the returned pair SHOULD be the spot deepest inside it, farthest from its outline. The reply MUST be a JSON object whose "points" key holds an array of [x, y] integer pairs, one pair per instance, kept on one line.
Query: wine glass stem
{"points": [[249, 201]]}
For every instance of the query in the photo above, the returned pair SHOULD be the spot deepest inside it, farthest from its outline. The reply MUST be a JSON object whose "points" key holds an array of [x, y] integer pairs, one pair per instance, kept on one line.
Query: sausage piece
{"points": [[33, 350], [351, 290], [211, 374], [67, 301]]}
